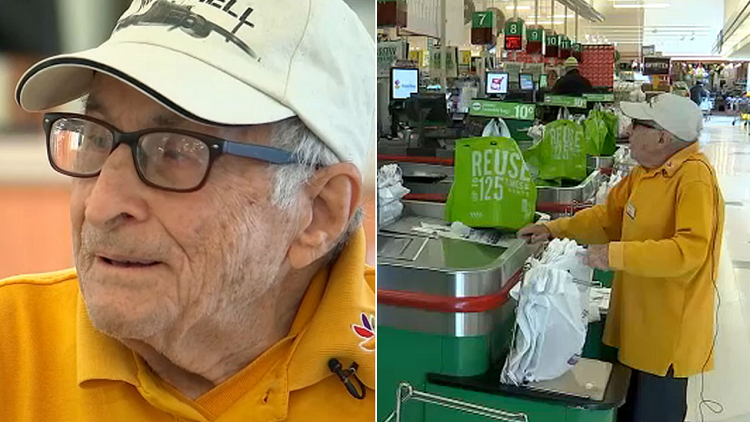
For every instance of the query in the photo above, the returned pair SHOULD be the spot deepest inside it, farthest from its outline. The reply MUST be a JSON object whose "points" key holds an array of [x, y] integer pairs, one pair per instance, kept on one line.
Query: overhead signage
{"points": [[656, 65], [483, 31], [392, 13], [389, 52], [535, 41], [552, 45], [514, 35]]}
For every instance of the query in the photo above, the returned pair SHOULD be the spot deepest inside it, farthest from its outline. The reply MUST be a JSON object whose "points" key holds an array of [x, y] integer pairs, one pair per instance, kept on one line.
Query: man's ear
{"points": [[332, 197], [665, 138]]}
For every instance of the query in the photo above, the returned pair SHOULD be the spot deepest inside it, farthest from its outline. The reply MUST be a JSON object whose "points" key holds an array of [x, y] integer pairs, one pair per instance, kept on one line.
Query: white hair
{"points": [[311, 153]]}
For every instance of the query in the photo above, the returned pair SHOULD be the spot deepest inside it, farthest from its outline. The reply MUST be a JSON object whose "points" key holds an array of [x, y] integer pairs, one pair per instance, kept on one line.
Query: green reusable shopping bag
{"points": [[595, 130], [600, 129], [613, 132], [562, 152], [492, 185]]}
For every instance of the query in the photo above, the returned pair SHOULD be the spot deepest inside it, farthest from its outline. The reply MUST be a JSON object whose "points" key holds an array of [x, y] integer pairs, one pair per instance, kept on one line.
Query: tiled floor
{"points": [[728, 148]]}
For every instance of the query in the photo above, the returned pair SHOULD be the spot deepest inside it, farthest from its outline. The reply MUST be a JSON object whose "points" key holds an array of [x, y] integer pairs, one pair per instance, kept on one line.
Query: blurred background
{"points": [[34, 216]]}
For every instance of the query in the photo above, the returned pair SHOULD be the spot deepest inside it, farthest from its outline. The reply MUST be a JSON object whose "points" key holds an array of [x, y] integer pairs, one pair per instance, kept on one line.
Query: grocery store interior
{"points": [[449, 71]]}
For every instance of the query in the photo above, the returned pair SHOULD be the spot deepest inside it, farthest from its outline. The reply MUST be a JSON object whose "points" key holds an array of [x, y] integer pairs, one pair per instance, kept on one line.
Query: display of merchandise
{"points": [[598, 64]]}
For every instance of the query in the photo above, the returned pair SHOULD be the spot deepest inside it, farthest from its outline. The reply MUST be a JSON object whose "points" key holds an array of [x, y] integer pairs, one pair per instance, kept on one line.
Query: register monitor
{"points": [[496, 83], [404, 82], [427, 108], [526, 81], [543, 81]]}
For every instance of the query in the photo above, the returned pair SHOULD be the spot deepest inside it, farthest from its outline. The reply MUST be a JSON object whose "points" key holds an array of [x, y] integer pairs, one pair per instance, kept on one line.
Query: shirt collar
{"points": [[99, 356], [675, 162], [337, 320]]}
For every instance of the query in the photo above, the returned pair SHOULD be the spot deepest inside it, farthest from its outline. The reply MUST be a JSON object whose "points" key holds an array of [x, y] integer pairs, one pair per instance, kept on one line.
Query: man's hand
{"points": [[535, 233], [598, 257]]}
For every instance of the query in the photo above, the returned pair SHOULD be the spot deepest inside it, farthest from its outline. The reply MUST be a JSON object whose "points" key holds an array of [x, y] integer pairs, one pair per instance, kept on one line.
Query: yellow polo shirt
{"points": [[54, 366], [664, 228]]}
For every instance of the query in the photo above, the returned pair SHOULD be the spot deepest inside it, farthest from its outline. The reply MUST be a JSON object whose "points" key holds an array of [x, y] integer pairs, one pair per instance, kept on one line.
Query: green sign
{"points": [[535, 35], [483, 20], [565, 44], [599, 98], [577, 47], [565, 101], [515, 111], [514, 27], [552, 40]]}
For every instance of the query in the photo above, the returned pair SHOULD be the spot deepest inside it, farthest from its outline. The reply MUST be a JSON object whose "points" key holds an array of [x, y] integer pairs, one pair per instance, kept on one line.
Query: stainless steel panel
{"points": [[579, 194], [599, 162], [458, 324], [445, 267]]}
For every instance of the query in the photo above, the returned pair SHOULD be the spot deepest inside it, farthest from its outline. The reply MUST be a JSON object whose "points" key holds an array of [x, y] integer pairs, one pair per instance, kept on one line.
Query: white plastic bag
{"points": [[552, 315], [389, 213], [496, 127], [390, 192]]}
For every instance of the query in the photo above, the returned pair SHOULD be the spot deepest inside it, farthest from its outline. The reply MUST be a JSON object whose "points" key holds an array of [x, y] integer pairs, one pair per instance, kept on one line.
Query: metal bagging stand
{"points": [[406, 392]]}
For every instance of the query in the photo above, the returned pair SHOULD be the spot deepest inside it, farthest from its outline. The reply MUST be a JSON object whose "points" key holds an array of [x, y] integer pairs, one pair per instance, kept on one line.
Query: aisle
{"points": [[728, 148]]}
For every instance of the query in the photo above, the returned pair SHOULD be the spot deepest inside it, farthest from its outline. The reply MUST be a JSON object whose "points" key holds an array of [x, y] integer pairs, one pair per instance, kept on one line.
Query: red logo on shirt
{"points": [[366, 332]]}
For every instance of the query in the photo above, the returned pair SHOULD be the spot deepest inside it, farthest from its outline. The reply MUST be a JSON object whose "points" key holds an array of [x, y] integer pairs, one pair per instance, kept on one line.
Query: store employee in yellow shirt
{"points": [[220, 263], [661, 231]]}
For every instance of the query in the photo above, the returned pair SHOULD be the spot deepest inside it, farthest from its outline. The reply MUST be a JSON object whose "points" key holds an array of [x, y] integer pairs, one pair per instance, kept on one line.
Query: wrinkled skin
{"points": [[231, 267]]}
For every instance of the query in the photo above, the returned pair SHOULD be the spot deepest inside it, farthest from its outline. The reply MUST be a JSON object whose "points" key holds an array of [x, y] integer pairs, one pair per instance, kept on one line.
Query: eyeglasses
{"points": [[168, 159], [646, 124]]}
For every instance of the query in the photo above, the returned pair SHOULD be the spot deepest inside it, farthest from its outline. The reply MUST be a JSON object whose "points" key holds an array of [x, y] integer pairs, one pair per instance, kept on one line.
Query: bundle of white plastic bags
{"points": [[390, 192], [606, 187], [552, 315]]}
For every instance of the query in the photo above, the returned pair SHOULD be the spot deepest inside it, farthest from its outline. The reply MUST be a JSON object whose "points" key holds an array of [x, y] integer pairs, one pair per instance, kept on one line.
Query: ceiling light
{"points": [[641, 6], [518, 8], [556, 16]]}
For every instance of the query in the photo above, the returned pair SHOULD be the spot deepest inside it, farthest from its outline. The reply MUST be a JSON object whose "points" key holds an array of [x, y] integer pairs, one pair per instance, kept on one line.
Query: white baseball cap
{"points": [[677, 115], [233, 62]]}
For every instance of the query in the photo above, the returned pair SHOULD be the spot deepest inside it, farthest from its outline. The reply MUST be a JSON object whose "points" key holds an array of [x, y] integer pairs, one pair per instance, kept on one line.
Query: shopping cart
{"points": [[741, 106]]}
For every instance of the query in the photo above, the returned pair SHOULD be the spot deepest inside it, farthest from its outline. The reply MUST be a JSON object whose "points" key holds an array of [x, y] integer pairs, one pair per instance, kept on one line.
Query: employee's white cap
{"points": [[677, 115], [233, 62]]}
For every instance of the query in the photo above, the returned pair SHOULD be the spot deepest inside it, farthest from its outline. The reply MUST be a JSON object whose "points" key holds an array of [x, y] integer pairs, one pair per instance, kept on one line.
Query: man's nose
{"points": [[116, 197]]}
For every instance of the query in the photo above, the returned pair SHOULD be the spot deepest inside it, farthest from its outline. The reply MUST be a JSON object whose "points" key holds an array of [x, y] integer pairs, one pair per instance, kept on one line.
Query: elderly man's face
{"points": [[155, 263], [648, 145]]}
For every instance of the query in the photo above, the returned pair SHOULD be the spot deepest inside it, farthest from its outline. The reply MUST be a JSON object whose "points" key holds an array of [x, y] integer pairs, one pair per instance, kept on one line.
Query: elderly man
{"points": [[219, 257], [661, 231]]}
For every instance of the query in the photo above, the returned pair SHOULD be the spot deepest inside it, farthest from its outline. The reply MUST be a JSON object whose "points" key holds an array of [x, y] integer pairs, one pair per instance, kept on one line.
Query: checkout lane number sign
{"points": [[503, 110]]}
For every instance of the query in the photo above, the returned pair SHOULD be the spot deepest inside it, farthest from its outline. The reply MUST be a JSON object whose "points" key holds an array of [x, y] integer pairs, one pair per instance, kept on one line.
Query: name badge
{"points": [[630, 210]]}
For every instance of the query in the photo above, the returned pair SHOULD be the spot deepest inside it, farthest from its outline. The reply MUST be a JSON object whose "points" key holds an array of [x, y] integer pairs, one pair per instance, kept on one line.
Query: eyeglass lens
{"points": [[170, 160]]}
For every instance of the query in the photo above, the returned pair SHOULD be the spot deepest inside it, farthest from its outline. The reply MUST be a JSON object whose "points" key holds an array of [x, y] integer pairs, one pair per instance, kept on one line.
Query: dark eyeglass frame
{"points": [[216, 147], [643, 123]]}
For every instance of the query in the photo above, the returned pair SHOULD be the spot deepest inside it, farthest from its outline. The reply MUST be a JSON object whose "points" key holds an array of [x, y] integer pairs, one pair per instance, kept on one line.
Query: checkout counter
{"points": [[445, 326], [445, 316]]}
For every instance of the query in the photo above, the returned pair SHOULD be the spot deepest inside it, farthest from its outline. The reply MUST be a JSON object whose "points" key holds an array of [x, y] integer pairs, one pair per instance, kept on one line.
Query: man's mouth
{"points": [[122, 262]]}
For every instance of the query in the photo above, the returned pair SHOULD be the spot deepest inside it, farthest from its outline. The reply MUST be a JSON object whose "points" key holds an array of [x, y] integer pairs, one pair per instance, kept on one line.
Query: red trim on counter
{"points": [[431, 197], [449, 304], [416, 159]]}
